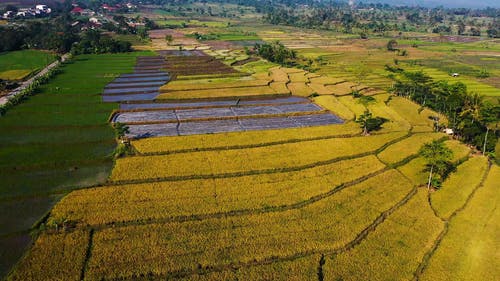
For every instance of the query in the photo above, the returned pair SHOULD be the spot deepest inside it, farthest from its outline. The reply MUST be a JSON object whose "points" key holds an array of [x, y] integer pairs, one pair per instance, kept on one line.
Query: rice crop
{"points": [[54, 257], [323, 225], [208, 163], [455, 190], [240, 139], [407, 147], [470, 250], [394, 250], [143, 202]]}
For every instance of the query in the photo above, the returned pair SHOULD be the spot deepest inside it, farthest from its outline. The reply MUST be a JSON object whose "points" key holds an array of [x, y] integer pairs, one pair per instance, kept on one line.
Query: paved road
{"points": [[25, 84]]}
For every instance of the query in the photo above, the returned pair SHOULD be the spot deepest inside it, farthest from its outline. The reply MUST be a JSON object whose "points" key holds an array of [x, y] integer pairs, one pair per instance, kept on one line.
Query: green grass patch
{"points": [[17, 65]]}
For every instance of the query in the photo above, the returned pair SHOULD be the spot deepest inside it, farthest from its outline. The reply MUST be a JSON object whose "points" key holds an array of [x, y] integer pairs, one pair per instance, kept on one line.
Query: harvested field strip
{"points": [[200, 85], [196, 65], [210, 104], [130, 97], [133, 85], [130, 91], [233, 124], [394, 249], [44, 262], [218, 242], [345, 88], [470, 249], [167, 145], [457, 188], [184, 121], [220, 93], [185, 115], [164, 200], [244, 161], [405, 148]]}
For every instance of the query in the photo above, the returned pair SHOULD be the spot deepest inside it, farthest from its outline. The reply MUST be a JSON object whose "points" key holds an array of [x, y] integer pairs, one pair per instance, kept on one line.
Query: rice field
{"points": [[239, 162], [235, 171], [457, 188], [470, 249]]}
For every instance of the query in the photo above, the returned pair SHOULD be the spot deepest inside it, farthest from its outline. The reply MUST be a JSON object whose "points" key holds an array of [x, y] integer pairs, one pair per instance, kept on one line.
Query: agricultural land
{"points": [[228, 145]]}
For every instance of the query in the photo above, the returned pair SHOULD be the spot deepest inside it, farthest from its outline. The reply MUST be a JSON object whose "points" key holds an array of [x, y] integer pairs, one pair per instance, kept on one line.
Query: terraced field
{"points": [[267, 187]]}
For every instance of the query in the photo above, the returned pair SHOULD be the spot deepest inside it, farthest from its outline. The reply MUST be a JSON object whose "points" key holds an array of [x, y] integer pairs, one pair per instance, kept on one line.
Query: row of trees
{"points": [[474, 120], [276, 52], [384, 18]]}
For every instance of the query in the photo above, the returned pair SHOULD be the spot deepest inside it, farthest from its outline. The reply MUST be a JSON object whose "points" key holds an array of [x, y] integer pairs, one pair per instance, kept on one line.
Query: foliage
{"points": [[94, 43], [369, 123], [469, 115], [276, 52], [437, 156]]}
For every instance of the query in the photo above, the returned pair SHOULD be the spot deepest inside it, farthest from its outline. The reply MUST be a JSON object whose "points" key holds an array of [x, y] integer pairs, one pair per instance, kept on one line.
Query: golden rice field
{"points": [[165, 145], [161, 200], [251, 160], [317, 227], [457, 188], [470, 250], [394, 249], [316, 203]]}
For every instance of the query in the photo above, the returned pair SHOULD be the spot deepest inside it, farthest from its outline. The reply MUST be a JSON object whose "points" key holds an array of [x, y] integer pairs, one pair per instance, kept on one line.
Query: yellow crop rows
{"points": [[299, 89], [305, 268], [241, 161], [455, 190], [394, 250], [183, 198], [323, 225], [54, 257], [470, 250], [242, 139], [407, 147]]}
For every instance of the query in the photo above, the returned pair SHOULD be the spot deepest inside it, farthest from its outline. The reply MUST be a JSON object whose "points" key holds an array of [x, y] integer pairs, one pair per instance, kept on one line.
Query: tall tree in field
{"points": [[437, 155]]}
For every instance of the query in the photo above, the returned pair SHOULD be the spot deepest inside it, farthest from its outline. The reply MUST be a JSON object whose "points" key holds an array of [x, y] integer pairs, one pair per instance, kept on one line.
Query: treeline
{"points": [[93, 42], [379, 19], [474, 120]]}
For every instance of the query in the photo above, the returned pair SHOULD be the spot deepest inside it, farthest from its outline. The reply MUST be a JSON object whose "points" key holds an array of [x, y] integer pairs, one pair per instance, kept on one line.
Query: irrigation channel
{"points": [[147, 117]]}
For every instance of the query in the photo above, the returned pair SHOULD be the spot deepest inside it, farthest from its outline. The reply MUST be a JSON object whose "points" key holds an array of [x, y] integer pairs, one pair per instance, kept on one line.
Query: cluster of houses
{"points": [[37, 11]]}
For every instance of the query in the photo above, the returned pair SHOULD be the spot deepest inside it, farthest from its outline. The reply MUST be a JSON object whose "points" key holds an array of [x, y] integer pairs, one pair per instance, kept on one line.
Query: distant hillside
{"points": [[435, 3]]}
